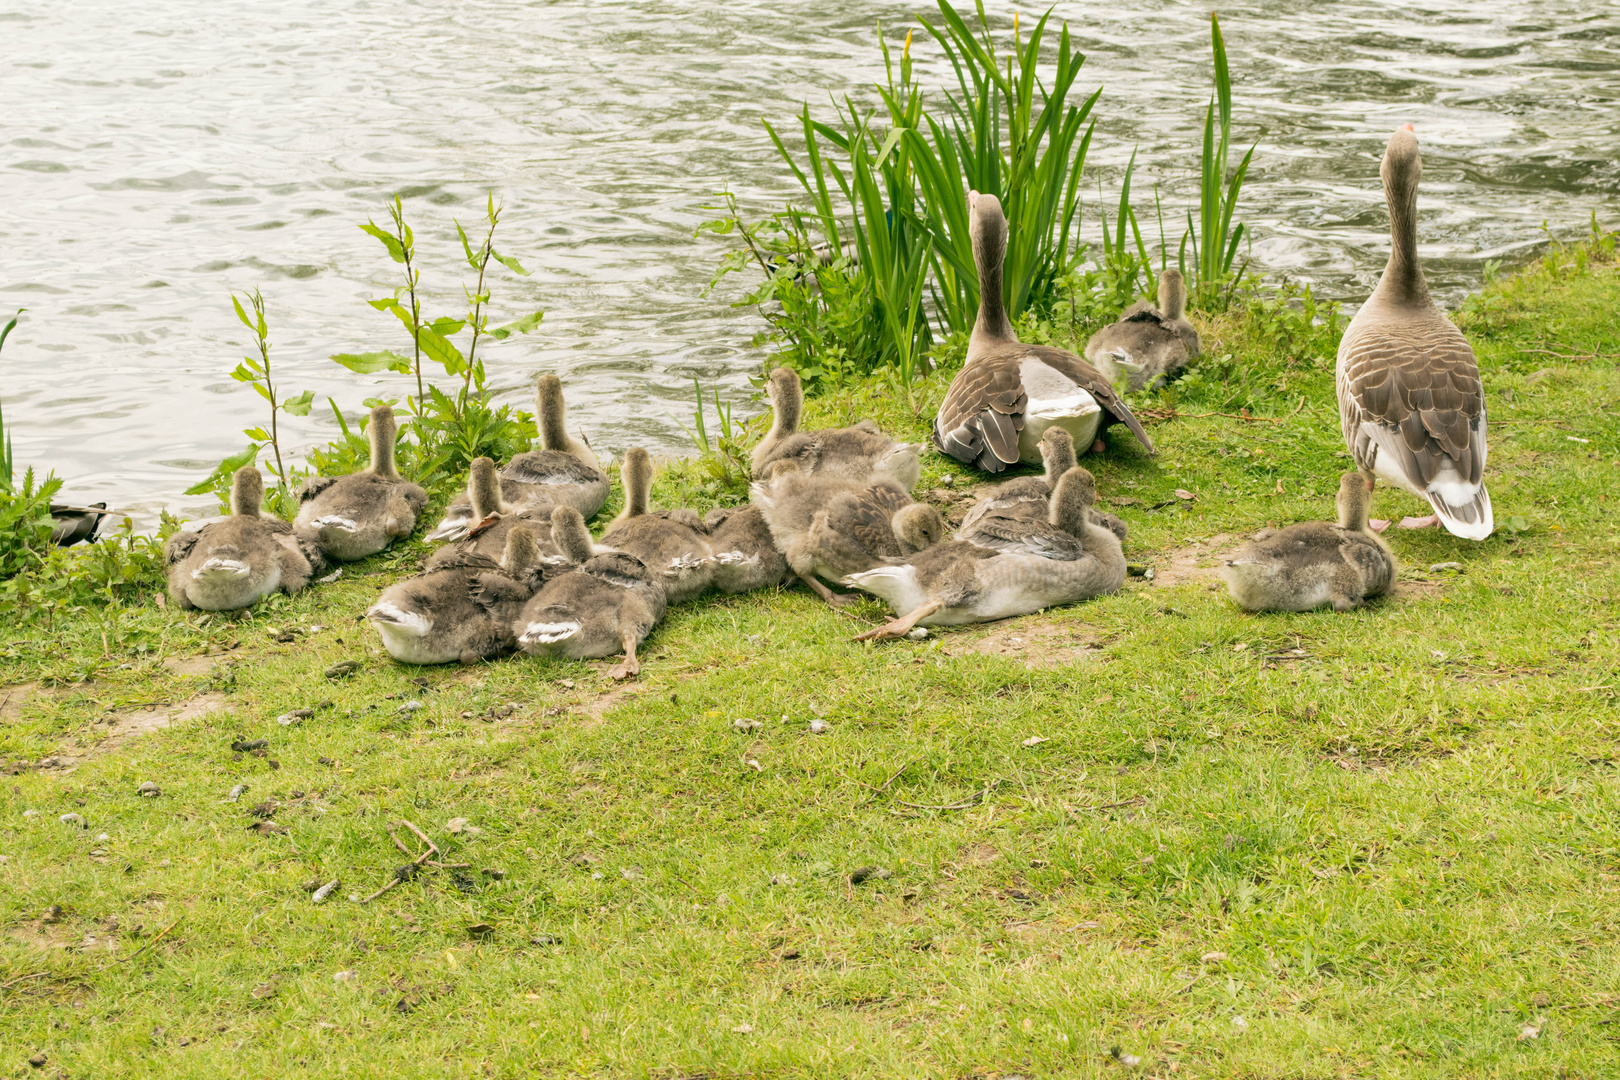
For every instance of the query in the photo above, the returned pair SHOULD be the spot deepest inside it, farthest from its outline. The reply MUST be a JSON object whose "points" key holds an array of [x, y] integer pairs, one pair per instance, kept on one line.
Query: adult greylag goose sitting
{"points": [[1061, 561], [607, 604], [1315, 562], [853, 453], [674, 544], [1026, 498], [492, 519], [1008, 394], [354, 516], [745, 555], [826, 526], [459, 614], [563, 472], [230, 563], [1411, 402], [1148, 346]]}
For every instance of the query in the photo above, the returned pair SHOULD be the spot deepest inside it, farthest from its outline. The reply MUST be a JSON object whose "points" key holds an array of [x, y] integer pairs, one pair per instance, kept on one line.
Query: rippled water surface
{"points": [[157, 156]]}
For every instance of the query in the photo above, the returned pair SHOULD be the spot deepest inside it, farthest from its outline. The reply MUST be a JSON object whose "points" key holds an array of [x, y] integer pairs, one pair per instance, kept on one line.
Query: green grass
{"points": [[1397, 825]]}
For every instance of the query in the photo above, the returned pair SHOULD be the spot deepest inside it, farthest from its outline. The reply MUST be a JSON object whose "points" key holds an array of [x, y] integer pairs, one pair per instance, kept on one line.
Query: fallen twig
{"points": [[23, 978], [143, 948], [408, 871], [964, 805], [1138, 801], [884, 786]]}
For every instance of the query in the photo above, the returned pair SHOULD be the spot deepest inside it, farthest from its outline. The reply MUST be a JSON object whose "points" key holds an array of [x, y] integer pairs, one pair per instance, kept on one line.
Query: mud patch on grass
{"points": [[128, 725], [1407, 591], [190, 665], [1199, 563], [13, 698], [1036, 643]]}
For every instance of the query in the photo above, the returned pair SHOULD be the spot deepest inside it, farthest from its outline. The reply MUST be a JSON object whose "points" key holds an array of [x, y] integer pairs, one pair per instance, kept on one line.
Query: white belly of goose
{"points": [[1055, 401]]}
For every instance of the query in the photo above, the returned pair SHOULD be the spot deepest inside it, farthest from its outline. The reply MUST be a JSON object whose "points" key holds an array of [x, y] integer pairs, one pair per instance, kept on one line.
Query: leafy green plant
{"points": [[25, 523], [257, 373], [1214, 239], [7, 466], [723, 456]]}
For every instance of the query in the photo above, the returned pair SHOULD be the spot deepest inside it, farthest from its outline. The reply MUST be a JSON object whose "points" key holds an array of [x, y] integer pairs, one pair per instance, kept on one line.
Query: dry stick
{"points": [[964, 805], [1138, 801], [433, 849], [143, 948], [884, 786], [23, 978]]}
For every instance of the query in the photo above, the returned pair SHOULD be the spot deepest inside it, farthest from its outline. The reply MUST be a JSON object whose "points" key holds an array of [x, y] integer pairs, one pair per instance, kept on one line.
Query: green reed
{"points": [[1214, 240]]}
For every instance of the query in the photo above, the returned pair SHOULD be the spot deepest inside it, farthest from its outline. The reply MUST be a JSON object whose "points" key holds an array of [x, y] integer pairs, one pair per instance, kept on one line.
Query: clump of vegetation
{"points": [[874, 273]]}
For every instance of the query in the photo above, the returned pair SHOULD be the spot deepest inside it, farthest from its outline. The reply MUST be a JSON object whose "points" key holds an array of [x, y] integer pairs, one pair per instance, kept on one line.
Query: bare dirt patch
{"points": [[190, 665], [1036, 643], [1199, 563], [13, 698], [129, 724], [1407, 591]]}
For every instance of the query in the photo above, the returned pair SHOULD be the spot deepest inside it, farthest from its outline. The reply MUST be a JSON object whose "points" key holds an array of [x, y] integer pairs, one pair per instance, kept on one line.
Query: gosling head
{"points": [[787, 400], [1057, 453], [247, 492], [917, 526]]}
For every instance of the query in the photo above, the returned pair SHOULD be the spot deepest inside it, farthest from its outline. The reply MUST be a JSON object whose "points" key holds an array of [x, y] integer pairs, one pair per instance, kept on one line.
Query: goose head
{"points": [[1172, 294], [1402, 168], [903, 462], [987, 228], [382, 433], [917, 526], [247, 492], [1354, 501], [1057, 454], [786, 395], [636, 473], [569, 533], [1072, 500]]}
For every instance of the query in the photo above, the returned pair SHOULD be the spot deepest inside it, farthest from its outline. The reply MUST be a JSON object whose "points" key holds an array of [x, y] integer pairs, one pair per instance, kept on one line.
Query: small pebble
{"points": [[745, 724], [917, 633], [236, 792], [148, 790], [818, 726], [1213, 957], [1036, 740], [870, 873], [1440, 566], [410, 706], [102, 836], [320, 894], [288, 719], [71, 819]]}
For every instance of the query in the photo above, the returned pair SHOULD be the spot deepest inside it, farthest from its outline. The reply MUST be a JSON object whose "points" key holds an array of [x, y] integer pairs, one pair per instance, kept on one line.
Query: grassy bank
{"points": [[1315, 845]]}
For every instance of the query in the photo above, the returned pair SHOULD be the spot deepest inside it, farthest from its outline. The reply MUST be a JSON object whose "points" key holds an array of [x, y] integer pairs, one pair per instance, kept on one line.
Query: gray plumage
{"points": [[607, 604], [491, 520], [563, 471], [855, 453], [459, 614], [230, 564], [1411, 401], [1149, 345], [961, 582], [1024, 502], [351, 517], [674, 544], [1008, 394], [827, 526], [1314, 563], [745, 555]]}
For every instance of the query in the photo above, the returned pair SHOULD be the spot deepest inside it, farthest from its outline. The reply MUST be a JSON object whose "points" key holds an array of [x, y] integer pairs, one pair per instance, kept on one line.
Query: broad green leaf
{"points": [[509, 262], [243, 373], [241, 314], [390, 303], [389, 241], [299, 406], [446, 325], [226, 468], [521, 326], [256, 433], [441, 349], [372, 362], [373, 402], [472, 260], [259, 388]]}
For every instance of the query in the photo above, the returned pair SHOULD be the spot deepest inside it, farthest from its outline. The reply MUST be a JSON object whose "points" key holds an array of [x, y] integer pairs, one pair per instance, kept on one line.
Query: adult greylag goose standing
{"points": [[230, 563], [1315, 562], [853, 453], [459, 614], [1062, 561], [354, 516], [563, 472], [1148, 345], [1411, 402], [673, 544], [607, 604], [1008, 393]]}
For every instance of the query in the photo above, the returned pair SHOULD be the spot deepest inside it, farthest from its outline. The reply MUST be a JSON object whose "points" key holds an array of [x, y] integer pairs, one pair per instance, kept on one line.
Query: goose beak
{"points": [[1409, 127], [973, 199]]}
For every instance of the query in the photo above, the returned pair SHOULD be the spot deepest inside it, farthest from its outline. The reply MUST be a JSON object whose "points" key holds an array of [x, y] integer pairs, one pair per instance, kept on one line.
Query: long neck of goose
{"points": [[637, 481], [1403, 281], [992, 323], [247, 496], [552, 417], [1353, 510], [1172, 297], [784, 414], [382, 436], [484, 492]]}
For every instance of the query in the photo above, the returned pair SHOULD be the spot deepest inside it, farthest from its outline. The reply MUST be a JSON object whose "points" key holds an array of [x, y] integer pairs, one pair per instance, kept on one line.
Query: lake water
{"points": [[158, 156]]}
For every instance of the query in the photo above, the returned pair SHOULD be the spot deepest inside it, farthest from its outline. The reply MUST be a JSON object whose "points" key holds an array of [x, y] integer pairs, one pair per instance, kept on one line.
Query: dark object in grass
{"points": [[266, 828], [545, 939], [343, 669], [266, 809], [869, 873], [243, 746], [482, 929], [75, 524]]}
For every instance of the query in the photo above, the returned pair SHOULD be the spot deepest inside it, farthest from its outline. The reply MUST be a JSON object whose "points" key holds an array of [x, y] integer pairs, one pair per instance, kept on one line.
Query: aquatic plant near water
{"points": [[1214, 239]]}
